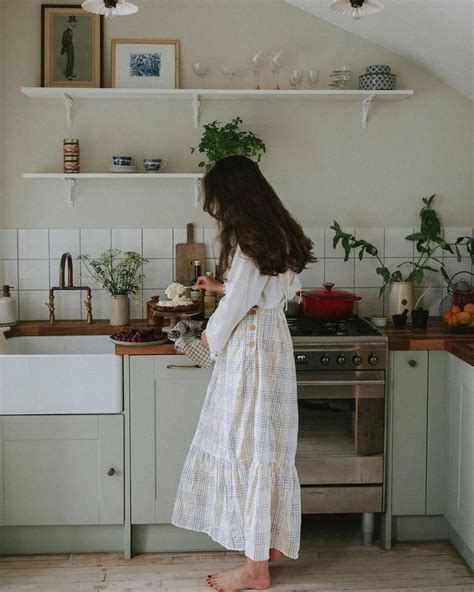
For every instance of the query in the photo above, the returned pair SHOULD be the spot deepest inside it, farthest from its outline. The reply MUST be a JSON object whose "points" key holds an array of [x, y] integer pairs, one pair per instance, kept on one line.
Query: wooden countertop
{"points": [[437, 336]]}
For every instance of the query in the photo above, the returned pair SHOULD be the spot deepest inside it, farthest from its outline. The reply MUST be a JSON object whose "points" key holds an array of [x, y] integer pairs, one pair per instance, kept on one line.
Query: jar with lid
{"points": [[210, 302], [151, 318]]}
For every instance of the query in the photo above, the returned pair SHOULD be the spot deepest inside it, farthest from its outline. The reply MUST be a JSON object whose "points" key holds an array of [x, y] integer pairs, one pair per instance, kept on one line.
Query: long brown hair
{"points": [[250, 214]]}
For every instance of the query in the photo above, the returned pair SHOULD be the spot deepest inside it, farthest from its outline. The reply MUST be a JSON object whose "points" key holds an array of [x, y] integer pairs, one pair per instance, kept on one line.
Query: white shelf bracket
{"points": [[197, 192], [196, 109], [71, 183], [69, 104], [366, 104]]}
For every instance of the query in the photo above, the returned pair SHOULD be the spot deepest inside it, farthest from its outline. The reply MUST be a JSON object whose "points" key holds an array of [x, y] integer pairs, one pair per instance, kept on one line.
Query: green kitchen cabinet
{"points": [[460, 475], [61, 470], [408, 398], [166, 398]]}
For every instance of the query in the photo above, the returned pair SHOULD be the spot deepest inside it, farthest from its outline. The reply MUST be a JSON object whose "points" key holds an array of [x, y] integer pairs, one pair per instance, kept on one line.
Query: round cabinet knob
{"points": [[373, 360], [357, 360], [341, 360], [412, 363], [325, 361], [111, 472]]}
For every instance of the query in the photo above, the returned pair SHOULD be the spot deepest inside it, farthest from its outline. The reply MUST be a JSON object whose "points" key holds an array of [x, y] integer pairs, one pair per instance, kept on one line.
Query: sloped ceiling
{"points": [[437, 34]]}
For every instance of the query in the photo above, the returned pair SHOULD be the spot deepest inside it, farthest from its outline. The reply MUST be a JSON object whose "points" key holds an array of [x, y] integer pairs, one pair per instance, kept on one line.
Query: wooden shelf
{"points": [[69, 95]]}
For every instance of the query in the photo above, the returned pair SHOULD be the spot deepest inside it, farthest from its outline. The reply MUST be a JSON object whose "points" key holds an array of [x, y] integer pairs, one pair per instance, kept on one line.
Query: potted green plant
{"points": [[219, 140], [120, 274], [429, 241]]}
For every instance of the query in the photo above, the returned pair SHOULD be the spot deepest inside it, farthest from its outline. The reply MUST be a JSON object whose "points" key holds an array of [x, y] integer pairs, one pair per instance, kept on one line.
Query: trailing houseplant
{"points": [[219, 140], [120, 274], [429, 243]]}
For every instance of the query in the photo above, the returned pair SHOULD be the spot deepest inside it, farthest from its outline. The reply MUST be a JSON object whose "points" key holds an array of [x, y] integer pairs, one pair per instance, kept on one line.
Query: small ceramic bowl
{"points": [[153, 165], [378, 320], [122, 160]]}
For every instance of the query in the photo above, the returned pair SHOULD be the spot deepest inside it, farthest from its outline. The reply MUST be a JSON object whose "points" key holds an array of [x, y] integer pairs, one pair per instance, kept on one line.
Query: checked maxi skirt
{"points": [[239, 482]]}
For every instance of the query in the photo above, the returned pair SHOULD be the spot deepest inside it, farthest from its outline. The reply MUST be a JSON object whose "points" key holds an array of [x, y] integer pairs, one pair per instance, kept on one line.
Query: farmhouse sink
{"points": [[58, 375]]}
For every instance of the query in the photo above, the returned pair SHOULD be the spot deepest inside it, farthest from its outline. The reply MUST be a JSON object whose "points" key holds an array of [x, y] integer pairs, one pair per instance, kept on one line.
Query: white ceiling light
{"points": [[110, 8], [356, 8]]}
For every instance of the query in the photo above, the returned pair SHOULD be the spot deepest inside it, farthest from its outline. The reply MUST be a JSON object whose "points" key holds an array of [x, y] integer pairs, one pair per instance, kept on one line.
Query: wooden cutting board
{"points": [[186, 254]]}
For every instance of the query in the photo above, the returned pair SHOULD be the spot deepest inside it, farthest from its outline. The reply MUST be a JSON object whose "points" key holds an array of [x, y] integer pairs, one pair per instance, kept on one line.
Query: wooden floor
{"points": [[327, 561]]}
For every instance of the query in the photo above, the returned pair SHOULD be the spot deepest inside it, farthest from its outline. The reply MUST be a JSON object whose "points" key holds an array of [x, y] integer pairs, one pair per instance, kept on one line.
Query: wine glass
{"points": [[313, 76], [200, 69], [256, 62], [296, 78], [228, 72], [277, 65]]}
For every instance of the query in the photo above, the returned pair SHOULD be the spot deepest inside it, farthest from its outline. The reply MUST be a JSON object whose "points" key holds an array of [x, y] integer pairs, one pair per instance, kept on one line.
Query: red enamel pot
{"points": [[328, 303]]}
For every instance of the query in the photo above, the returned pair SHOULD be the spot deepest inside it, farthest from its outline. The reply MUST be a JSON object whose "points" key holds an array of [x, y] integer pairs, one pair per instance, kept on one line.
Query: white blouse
{"points": [[245, 287]]}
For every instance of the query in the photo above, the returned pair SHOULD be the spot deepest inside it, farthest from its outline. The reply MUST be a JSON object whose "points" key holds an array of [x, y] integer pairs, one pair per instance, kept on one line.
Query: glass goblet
{"points": [[228, 72], [313, 76], [277, 66], [296, 78], [256, 62], [200, 69]]}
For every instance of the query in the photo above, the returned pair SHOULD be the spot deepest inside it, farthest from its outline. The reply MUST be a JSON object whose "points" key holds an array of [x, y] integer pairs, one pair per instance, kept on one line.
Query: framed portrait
{"points": [[145, 63], [71, 46]]}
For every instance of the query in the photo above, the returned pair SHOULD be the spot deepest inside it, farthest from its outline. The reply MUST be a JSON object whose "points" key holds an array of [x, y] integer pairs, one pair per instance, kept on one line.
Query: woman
{"points": [[239, 483]]}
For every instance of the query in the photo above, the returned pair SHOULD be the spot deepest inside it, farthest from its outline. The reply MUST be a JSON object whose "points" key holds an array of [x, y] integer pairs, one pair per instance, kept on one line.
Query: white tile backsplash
{"points": [[396, 244], [339, 272], [63, 241], [158, 244], [94, 241], [8, 243], [31, 251], [33, 243], [158, 273], [32, 305], [33, 274], [68, 305], [371, 303], [127, 239]]}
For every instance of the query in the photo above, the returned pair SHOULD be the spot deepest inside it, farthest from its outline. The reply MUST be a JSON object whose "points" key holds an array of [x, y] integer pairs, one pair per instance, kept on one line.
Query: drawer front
{"points": [[333, 500], [180, 368], [342, 470]]}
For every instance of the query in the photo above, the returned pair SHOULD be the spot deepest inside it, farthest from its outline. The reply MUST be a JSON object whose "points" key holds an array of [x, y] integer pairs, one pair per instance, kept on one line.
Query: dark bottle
{"points": [[197, 296]]}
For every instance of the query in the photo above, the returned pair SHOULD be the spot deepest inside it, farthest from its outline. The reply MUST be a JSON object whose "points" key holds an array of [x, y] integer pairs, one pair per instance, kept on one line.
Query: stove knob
{"points": [[341, 360], [325, 361], [373, 360], [357, 360]]}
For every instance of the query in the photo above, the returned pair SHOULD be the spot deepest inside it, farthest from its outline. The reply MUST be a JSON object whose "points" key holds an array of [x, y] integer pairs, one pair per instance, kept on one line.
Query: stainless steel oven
{"points": [[341, 402]]}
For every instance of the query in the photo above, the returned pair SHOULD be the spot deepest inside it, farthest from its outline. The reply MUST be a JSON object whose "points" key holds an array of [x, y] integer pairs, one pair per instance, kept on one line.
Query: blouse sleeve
{"points": [[243, 289]]}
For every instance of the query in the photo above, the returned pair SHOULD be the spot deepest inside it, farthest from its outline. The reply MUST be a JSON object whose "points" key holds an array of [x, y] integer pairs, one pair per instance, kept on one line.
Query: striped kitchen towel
{"points": [[187, 339]]}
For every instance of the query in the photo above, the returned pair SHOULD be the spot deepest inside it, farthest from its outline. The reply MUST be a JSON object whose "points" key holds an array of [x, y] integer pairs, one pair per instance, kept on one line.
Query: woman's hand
{"points": [[204, 282], [204, 340]]}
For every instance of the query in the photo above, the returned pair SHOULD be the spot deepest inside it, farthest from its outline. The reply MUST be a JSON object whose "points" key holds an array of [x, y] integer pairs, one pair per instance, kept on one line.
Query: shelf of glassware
{"points": [[69, 95], [71, 179]]}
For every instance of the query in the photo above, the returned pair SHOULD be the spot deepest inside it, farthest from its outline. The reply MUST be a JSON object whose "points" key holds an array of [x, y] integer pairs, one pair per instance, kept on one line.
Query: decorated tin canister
{"points": [[71, 154]]}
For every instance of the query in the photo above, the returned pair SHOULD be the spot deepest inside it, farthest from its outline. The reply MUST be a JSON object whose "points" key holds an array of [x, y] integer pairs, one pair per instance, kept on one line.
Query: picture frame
{"points": [[145, 63], [71, 47]]}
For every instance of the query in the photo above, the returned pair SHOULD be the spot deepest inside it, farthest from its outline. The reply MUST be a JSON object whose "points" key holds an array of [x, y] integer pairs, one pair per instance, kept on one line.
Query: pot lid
{"points": [[329, 294]]}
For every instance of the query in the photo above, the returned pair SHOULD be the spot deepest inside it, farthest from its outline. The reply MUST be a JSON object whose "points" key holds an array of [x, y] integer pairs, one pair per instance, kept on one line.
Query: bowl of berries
{"points": [[132, 336]]}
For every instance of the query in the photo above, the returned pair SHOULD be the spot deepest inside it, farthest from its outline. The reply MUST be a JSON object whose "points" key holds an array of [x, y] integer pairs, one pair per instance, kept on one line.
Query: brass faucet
{"points": [[66, 258]]}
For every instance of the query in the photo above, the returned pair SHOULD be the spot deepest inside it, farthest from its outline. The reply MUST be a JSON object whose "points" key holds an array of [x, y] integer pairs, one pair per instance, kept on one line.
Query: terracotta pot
{"points": [[119, 310]]}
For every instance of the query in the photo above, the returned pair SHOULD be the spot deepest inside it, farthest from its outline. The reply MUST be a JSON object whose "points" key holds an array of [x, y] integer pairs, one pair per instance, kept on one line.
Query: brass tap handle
{"points": [[50, 305], [88, 303]]}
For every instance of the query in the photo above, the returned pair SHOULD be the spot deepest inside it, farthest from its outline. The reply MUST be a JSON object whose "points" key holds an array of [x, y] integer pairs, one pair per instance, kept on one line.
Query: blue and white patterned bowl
{"points": [[378, 82], [377, 69], [122, 160], [153, 165]]}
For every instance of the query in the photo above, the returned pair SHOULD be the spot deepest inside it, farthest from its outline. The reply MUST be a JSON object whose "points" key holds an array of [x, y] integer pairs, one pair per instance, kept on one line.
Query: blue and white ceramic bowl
{"points": [[153, 165], [377, 69], [122, 160]]}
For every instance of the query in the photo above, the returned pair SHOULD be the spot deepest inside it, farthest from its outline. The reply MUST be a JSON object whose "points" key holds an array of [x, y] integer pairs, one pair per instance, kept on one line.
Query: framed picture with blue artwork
{"points": [[145, 63]]}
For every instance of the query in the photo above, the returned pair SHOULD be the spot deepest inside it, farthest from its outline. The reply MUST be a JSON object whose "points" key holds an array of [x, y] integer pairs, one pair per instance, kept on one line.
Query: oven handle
{"points": [[339, 382]]}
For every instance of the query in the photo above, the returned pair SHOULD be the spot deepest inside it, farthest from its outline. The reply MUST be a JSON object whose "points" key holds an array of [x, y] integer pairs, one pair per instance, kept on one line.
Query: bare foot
{"points": [[275, 554], [243, 577]]}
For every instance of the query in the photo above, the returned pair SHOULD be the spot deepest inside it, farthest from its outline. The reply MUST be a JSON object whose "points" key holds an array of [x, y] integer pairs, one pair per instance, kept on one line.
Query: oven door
{"points": [[341, 427]]}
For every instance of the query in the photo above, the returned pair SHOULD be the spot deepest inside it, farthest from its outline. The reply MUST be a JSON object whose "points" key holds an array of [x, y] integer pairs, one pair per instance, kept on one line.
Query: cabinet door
{"points": [[166, 398], [461, 449], [56, 469], [409, 392]]}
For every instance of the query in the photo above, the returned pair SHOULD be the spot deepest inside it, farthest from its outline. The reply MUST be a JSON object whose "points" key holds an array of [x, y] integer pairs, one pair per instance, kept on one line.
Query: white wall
{"points": [[319, 159]]}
